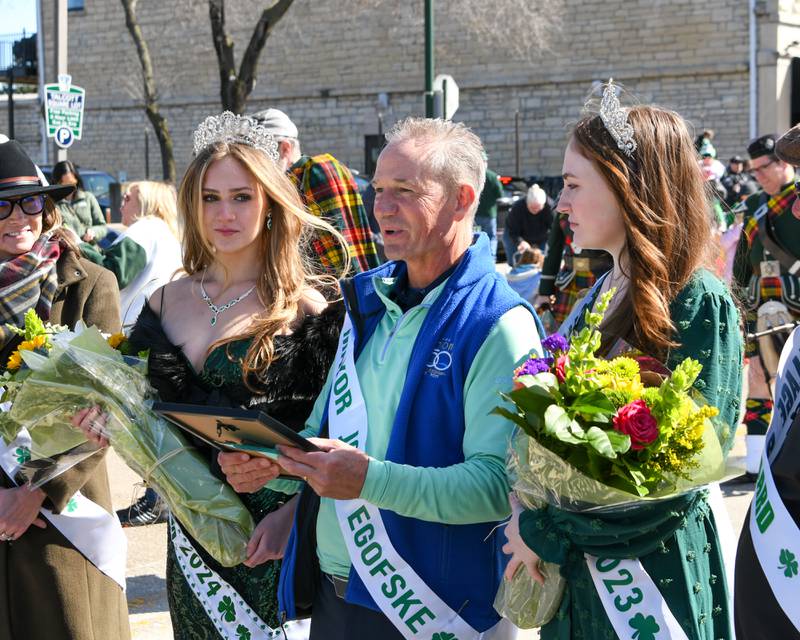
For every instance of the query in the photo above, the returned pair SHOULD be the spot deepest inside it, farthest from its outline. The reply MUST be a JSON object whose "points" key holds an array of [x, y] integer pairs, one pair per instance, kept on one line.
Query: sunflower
{"points": [[116, 339], [14, 361]]}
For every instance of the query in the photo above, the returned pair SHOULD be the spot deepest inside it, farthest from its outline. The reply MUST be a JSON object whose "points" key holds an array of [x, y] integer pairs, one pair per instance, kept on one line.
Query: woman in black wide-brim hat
{"points": [[48, 588]]}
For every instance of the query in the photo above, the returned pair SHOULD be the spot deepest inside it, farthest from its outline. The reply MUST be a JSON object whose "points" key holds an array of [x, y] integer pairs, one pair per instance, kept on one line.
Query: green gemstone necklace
{"points": [[216, 310]]}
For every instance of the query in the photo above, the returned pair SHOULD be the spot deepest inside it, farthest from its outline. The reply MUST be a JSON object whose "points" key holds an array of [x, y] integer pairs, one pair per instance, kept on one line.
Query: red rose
{"points": [[635, 420], [562, 362]]}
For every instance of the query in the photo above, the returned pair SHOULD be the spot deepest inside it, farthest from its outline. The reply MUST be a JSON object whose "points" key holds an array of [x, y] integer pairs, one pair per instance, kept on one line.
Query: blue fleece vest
{"points": [[463, 564]]}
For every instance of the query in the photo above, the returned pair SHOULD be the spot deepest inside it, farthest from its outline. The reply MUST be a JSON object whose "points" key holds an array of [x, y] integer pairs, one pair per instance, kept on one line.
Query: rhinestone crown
{"points": [[231, 128], [615, 119]]}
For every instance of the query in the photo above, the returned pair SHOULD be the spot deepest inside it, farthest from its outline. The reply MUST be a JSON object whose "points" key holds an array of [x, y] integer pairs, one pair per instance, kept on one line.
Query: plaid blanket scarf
{"points": [[28, 281]]}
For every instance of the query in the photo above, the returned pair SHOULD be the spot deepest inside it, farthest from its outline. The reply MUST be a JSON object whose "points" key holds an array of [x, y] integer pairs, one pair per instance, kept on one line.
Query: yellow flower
{"points": [[14, 361], [116, 339]]}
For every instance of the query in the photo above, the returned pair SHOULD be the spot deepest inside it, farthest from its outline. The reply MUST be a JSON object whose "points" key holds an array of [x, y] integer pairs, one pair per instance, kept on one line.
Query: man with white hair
{"points": [[528, 223], [329, 191], [395, 534]]}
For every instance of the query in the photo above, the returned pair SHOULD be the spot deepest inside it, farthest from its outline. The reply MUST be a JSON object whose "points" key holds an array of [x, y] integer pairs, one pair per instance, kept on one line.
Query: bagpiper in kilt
{"points": [[578, 272], [767, 276]]}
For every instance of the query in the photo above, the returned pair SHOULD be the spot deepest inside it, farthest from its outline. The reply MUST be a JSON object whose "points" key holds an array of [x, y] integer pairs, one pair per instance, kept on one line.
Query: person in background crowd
{"points": [[711, 167], [147, 254], [737, 182], [528, 223], [768, 247], [486, 215], [667, 305], [437, 334], [48, 587], [329, 192], [79, 211]]}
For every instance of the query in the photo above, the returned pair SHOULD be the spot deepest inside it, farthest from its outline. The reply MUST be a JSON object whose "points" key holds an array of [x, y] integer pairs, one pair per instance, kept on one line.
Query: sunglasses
{"points": [[30, 205], [763, 167]]}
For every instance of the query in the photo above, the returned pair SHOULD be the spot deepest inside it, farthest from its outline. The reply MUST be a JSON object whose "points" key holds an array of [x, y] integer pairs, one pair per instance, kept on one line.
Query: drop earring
{"points": [[269, 222]]}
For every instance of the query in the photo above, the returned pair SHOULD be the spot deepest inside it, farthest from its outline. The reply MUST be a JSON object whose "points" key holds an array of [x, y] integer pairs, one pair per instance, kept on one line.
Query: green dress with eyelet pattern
{"points": [[676, 541]]}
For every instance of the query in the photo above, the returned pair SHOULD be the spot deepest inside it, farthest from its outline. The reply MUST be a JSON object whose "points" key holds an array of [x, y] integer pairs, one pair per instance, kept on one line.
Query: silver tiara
{"points": [[615, 118], [231, 128]]}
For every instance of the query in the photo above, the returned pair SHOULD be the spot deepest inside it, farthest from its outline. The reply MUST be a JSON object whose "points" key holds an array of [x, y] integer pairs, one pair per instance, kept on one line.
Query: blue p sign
{"points": [[64, 137]]}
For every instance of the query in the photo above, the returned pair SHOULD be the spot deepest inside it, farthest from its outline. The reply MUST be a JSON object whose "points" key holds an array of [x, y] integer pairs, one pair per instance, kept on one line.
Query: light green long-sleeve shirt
{"points": [[469, 492]]}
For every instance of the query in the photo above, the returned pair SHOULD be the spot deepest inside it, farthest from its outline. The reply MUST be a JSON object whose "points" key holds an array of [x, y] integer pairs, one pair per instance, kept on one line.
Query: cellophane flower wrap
{"points": [[78, 370], [600, 436]]}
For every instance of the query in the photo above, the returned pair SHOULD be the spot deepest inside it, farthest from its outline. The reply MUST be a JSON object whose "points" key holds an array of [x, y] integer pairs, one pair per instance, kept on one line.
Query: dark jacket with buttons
{"points": [[48, 589]]}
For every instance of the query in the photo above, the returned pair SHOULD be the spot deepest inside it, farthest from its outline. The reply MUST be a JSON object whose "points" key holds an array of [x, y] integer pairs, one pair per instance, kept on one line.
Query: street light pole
{"points": [[428, 58], [60, 51]]}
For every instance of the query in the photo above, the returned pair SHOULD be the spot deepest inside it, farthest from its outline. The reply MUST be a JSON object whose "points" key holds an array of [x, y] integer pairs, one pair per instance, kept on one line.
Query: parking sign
{"points": [[64, 111]]}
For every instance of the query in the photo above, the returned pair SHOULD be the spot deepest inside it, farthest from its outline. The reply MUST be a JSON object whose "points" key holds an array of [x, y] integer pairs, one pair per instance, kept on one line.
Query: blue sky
{"points": [[16, 15]]}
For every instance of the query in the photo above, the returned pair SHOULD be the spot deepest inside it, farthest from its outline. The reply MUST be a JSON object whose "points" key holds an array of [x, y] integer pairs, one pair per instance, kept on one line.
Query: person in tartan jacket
{"points": [[329, 192], [762, 279]]}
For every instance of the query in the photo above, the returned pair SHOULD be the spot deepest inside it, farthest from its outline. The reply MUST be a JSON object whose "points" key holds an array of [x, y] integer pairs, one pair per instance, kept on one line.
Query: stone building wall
{"points": [[326, 63]]}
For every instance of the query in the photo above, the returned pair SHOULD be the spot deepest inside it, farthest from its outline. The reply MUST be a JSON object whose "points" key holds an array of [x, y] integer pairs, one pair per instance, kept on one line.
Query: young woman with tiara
{"points": [[246, 327], [632, 187]]}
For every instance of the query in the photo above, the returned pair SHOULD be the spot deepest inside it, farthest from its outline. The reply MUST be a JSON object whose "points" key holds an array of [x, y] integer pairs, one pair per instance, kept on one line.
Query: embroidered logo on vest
{"points": [[441, 358]]}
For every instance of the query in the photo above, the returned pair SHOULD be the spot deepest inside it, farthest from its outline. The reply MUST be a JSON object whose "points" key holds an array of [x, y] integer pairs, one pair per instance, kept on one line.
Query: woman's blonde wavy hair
{"points": [[287, 269], [666, 211], [159, 200]]}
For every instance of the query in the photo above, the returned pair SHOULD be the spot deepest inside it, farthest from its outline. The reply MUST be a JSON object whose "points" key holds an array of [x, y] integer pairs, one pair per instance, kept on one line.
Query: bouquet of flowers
{"points": [[59, 372], [596, 435]]}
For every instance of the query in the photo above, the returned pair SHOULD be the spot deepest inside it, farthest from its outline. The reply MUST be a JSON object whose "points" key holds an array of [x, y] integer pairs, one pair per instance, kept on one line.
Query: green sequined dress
{"points": [[677, 540], [287, 392]]}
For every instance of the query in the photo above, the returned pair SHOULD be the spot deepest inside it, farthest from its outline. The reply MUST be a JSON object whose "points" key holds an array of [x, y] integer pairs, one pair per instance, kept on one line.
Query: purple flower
{"points": [[532, 366], [555, 343]]}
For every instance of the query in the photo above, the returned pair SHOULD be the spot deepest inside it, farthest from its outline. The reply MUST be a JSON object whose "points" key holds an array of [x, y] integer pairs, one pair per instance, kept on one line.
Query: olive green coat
{"points": [[83, 213], [48, 590]]}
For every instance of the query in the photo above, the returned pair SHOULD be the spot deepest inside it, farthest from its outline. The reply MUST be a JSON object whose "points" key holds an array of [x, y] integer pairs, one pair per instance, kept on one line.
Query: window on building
{"points": [[75, 5]]}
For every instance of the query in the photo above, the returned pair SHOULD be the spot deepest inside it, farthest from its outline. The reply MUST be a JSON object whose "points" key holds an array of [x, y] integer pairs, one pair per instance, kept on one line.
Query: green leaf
{"points": [[620, 442], [600, 442], [515, 418], [557, 424], [593, 402], [531, 398]]}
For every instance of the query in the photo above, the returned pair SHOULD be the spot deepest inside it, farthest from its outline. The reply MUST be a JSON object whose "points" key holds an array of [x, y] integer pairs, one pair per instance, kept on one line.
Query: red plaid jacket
{"points": [[330, 192]]}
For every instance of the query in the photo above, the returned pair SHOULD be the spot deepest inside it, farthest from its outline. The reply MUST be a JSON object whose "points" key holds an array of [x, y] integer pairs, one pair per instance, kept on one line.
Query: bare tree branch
{"points": [[235, 87], [151, 106]]}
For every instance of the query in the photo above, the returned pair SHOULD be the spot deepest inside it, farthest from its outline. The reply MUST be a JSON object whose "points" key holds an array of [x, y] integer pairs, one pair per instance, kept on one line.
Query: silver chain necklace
{"points": [[216, 310]]}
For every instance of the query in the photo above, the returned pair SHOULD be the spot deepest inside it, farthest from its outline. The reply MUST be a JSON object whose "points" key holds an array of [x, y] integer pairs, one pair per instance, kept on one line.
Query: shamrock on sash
{"points": [[23, 455], [646, 628], [72, 505], [227, 609], [443, 635], [788, 563], [243, 632]]}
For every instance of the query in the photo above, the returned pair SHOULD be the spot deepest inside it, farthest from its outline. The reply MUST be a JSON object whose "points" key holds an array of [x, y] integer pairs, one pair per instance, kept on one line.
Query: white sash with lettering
{"points": [[91, 529], [633, 603], [399, 592], [231, 615], [776, 537]]}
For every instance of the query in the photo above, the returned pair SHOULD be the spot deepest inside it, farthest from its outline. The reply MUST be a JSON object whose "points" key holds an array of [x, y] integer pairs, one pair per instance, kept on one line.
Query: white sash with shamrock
{"points": [[403, 597], [633, 603], [91, 529], [776, 537], [231, 615]]}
